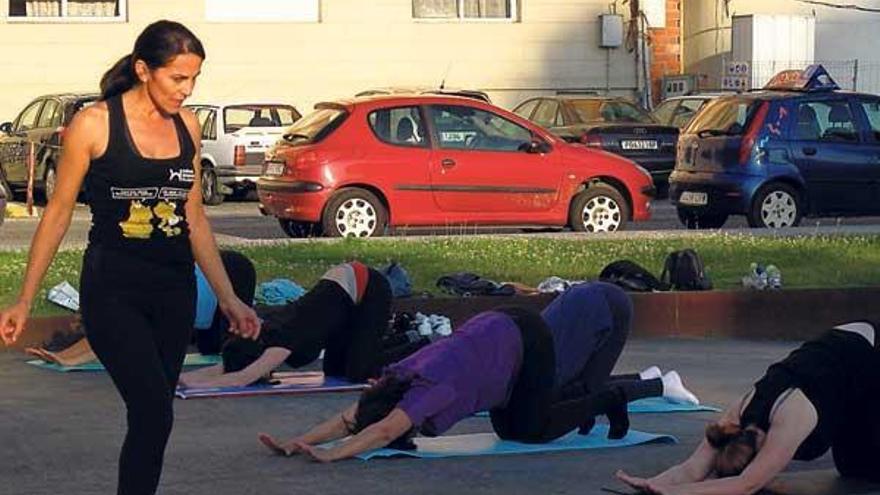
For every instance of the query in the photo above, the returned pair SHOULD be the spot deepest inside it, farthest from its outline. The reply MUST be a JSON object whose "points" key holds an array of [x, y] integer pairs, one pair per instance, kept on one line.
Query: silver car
{"points": [[235, 137]]}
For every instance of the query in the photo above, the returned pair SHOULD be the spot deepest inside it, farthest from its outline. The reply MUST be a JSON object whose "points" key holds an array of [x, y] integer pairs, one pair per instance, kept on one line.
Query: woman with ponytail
{"points": [[824, 395], [137, 151]]}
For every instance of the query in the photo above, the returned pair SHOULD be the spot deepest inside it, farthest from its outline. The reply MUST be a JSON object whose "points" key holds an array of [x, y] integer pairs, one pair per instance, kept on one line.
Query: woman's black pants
{"points": [[139, 333]]}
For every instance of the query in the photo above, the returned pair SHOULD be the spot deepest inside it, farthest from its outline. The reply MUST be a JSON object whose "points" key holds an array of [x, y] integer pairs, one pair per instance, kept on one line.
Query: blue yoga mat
{"points": [[490, 444], [661, 405], [654, 405], [190, 360], [288, 383]]}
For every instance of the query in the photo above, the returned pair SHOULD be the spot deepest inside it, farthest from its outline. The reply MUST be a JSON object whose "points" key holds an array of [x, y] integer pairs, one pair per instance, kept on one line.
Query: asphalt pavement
{"points": [[61, 434]]}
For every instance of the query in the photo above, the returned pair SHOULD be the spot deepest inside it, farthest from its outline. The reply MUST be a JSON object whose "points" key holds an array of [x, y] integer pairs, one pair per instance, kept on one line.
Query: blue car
{"points": [[801, 147]]}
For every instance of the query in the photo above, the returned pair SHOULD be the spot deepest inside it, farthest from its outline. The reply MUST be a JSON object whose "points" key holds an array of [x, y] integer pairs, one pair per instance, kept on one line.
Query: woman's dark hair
{"points": [[157, 44], [736, 447], [377, 402]]}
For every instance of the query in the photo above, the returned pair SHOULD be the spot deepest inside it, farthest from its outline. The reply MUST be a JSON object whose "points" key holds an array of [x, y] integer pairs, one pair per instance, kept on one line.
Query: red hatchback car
{"points": [[356, 167]]}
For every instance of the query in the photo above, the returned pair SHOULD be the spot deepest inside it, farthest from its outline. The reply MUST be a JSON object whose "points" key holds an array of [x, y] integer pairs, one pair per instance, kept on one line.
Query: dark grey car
{"points": [[41, 124], [611, 124]]}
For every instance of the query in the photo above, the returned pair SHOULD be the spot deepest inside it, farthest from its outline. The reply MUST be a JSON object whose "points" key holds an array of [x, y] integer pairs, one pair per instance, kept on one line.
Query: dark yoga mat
{"points": [[289, 383]]}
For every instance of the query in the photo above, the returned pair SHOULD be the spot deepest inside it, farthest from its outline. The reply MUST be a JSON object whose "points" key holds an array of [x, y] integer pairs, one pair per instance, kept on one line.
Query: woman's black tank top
{"points": [[830, 371], [137, 203]]}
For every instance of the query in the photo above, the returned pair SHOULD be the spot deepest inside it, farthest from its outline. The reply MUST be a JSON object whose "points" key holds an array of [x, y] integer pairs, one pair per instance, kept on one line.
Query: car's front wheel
{"points": [[211, 194], [599, 208], [694, 220], [7, 189], [354, 212], [299, 230], [775, 206]]}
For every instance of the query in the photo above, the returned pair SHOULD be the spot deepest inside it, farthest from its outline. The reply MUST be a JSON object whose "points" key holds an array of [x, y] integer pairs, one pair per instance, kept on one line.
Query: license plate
{"points": [[639, 144], [694, 198], [274, 168]]}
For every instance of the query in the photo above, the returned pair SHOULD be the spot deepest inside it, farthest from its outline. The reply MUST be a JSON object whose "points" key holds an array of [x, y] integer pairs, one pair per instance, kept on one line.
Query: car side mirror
{"points": [[537, 146], [6, 128]]}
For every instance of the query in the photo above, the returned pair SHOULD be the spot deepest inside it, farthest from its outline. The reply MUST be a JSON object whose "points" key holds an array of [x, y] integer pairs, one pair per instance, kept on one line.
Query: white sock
{"points": [[650, 373], [674, 391]]}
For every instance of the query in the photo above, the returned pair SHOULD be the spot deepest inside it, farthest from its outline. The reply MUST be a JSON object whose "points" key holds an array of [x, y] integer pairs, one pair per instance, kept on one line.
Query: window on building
{"points": [[263, 10], [67, 10], [464, 9]]}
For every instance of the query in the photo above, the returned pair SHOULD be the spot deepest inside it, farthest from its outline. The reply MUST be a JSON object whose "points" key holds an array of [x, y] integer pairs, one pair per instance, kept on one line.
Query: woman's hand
{"points": [[12, 320], [286, 449], [315, 454], [243, 320], [648, 485]]}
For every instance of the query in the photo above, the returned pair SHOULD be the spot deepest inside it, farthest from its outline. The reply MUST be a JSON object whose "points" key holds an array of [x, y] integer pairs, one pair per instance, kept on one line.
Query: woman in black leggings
{"points": [[346, 314], [137, 151], [824, 395], [540, 376]]}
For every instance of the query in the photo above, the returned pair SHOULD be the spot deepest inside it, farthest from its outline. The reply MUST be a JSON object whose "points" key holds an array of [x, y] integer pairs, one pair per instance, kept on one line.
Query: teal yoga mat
{"points": [[490, 444], [661, 405], [191, 360], [655, 405]]}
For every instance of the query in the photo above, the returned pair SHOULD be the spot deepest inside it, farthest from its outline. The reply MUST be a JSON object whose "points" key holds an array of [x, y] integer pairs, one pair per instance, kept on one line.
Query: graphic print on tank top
{"points": [[139, 204], [154, 209]]}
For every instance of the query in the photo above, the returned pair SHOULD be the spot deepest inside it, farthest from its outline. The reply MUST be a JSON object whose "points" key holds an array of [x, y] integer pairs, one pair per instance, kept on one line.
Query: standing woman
{"points": [[137, 151]]}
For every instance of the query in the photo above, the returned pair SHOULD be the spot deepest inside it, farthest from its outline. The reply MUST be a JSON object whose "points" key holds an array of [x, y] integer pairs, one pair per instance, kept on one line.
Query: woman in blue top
{"points": [[540, 376], [137, 150]]}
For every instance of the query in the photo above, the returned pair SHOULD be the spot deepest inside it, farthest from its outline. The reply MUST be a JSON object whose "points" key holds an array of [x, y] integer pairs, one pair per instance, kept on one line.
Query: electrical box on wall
{"points": [[678, 85], [611, 30]]}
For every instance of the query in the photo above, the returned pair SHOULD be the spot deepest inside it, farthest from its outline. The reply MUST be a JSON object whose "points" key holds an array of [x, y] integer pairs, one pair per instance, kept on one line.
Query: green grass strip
{"points": [[806, 262]]}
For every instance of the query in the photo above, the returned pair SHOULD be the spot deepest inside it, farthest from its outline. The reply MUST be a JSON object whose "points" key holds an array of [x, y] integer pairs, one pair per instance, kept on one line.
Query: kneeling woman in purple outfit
{"points": [[540, 376]]}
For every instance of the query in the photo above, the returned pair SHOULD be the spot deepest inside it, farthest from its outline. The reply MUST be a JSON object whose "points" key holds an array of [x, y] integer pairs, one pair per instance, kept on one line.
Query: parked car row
{"points": [[421, 156]]}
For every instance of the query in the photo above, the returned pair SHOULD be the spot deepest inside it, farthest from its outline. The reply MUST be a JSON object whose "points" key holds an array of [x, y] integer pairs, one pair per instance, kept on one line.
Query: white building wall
{"points": [[355, 45]]}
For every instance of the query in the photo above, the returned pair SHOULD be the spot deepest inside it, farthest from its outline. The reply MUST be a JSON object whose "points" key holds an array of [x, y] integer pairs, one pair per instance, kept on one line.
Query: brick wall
{"points": [[666, 47]]}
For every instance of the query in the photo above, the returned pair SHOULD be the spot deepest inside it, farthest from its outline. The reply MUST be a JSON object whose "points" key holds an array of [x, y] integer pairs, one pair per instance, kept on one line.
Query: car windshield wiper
{"points": [[291, 137]]}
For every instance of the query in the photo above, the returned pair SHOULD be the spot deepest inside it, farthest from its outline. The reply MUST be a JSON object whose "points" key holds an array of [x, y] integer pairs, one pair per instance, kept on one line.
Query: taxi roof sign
{"points": [[813, 78]]}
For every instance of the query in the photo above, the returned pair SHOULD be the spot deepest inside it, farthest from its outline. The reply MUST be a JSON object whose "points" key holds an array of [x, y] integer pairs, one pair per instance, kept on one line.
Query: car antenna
{"points": [[445, 75]]}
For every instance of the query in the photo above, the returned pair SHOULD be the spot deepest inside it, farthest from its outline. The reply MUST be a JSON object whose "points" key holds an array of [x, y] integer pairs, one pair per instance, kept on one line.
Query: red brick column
{"points": [[665, 46]]}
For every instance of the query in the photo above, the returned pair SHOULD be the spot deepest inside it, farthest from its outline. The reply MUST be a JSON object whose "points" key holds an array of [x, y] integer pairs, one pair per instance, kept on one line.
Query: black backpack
{"points": [[631, 276], [684, 270]]}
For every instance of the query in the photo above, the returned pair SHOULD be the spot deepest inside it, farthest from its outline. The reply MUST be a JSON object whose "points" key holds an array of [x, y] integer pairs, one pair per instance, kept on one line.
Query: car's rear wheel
{"points": [[599, 208], [775, 206], [354, 212], [211, 194], [692, 219], [299, 230], [50, 181]]}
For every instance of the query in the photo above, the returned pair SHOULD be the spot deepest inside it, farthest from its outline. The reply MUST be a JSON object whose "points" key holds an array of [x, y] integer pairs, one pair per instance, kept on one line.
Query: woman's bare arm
{"points": [[81, 143], [333, 428], [242, 318], [375, 436]]}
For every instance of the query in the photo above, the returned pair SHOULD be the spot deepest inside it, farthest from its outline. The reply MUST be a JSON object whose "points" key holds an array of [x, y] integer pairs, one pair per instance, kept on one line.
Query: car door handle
{"points": [[809, 151], [447, 163]]}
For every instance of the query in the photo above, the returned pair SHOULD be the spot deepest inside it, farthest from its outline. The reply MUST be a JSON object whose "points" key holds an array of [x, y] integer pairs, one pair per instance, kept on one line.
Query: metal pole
{"points": [[31, 163], [855, 75]]}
